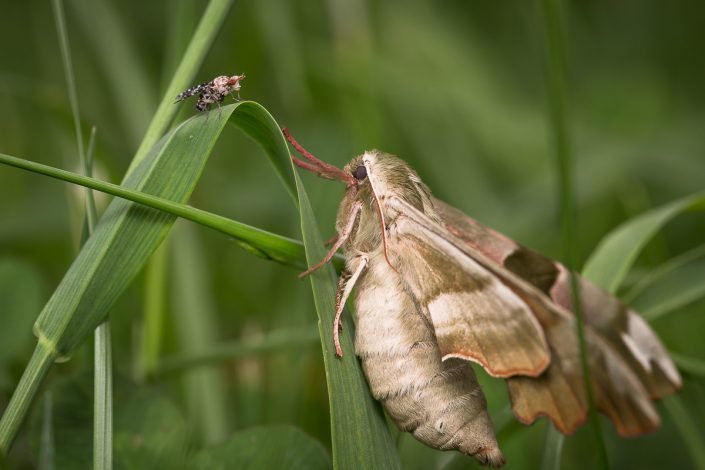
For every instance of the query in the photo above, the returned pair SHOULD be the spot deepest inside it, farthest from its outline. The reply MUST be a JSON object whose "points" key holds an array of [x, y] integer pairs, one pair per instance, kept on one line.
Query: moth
{"points": [[436, 290], [214, 91]]}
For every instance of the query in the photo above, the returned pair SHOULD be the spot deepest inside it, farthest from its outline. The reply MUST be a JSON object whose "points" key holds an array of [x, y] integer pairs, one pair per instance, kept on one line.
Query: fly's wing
{"points": [[559, 391], [620, 327], [194, 90]]}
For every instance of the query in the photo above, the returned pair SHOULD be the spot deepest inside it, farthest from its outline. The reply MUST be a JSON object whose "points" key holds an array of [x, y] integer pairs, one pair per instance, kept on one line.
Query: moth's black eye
{"points": [[360, 173]]}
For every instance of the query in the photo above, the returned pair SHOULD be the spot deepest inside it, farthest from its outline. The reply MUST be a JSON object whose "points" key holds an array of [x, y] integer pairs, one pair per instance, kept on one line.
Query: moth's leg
{"points": [[345, 285], [342, 237], [344, 276], [331, 240]]}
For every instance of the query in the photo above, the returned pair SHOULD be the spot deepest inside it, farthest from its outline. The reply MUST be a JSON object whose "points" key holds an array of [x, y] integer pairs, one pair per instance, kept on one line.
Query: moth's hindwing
{"points": [[625, 331], [559, 392]]}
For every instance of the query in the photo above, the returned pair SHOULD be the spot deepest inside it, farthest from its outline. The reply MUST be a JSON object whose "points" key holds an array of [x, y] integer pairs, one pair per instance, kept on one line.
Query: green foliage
{"points": [[458, 92], [367, 444], [265, 447], [20, 296]]}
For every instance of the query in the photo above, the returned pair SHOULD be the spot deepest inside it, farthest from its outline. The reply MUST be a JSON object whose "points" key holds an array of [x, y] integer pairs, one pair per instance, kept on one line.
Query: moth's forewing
{"points": [[475, 316], [621, 327], [559, 392]]}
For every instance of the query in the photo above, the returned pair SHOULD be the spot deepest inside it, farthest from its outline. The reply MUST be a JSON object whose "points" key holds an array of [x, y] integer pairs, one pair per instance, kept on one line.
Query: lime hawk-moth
{"points": [[436, 289]]}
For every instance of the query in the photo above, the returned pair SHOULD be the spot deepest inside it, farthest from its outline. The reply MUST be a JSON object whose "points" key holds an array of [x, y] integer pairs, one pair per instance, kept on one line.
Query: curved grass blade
{"points": [[616, 253], [257, 241], [553, 12], [125, 237], [612, 259], [691, 365], [200, 43], [361, 438], [674, 292], [654, 276]]}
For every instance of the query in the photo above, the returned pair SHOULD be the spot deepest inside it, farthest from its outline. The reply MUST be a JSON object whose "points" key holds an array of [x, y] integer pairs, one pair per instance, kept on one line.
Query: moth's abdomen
{"points": [[440, 403]]}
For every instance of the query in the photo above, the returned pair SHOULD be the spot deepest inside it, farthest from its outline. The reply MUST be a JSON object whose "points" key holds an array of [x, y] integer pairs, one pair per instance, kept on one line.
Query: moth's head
{"points": [[370, 178], [384, 175], [374, 175]]}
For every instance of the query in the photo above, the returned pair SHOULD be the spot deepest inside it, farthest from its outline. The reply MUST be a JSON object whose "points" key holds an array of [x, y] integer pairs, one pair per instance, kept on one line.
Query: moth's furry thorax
{"points": [[390, 176]]}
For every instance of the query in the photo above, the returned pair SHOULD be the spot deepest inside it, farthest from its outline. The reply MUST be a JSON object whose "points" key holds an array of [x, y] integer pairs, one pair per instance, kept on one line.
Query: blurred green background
{"points": [[455, 88]]}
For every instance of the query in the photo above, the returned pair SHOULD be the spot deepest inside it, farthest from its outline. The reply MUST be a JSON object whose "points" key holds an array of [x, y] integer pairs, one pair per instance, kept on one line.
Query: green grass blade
{"points": [[610, 262], [180, 20], [118, 249], [103, 399], [126, 236], [16, 410], [46, 449], [257, 241], [552, 449], [152, 328], [126, 77], [256, 122], [556, 71], [654, 276], [91, 211], [103, 355], [200, 43], [59, 18], [360, 435], [359, 432], [689, 291], [616, 253], [691, 365], [195, 323]]}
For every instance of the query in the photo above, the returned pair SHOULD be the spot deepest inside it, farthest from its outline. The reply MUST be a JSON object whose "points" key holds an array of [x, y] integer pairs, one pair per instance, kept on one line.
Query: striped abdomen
{"points": [[440, 402]]}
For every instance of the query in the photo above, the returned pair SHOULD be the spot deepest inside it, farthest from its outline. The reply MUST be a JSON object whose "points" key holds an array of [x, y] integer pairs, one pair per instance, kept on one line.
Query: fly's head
{"points": [[234, 82]]}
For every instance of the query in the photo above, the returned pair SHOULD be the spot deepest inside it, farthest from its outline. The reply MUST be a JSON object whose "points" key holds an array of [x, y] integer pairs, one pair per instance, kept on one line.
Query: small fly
{"points": [[214, 91]]}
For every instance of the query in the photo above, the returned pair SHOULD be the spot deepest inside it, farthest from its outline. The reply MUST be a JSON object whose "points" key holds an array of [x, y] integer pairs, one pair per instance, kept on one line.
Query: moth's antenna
{"points": [[381, 215], [321, 168]]}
